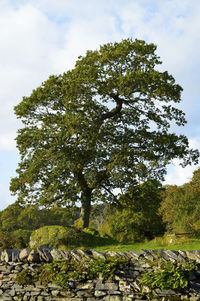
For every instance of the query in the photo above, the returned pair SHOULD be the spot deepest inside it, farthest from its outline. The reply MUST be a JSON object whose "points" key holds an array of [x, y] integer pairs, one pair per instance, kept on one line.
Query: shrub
{"points": [[60, 272], [65, 238], [168, 275], [52, 236], [24, 278]]}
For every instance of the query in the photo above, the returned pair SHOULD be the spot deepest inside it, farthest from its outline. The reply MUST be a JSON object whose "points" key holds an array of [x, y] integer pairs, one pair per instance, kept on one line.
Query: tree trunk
{"points": [[86, 206]]}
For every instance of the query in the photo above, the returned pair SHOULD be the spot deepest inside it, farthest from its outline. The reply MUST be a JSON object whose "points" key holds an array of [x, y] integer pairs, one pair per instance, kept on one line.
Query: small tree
{"points": [[100, 126], [180, 207], [137, 216]]}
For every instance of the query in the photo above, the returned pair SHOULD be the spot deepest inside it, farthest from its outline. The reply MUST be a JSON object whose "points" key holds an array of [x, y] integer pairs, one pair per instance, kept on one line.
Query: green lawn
{"points": [[185, 246]]}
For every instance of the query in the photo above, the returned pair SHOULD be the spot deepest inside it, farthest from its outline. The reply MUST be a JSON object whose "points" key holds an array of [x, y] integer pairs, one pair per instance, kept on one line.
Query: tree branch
{"points": [[101, 176], [108, 190], [114, 111]]}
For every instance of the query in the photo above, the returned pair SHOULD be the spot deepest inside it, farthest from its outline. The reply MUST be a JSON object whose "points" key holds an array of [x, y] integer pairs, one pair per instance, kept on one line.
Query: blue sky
{"points": [[43, 37]]}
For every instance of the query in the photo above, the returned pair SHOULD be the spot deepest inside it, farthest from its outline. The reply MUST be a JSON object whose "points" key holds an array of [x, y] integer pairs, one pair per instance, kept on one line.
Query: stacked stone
{"points": [[124, 286]]}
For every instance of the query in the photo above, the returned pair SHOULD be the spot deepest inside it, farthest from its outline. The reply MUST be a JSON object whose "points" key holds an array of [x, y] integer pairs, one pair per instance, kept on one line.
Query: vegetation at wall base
{"points": [[161, 274], [24, 277], [168, 275], [60, 272]]}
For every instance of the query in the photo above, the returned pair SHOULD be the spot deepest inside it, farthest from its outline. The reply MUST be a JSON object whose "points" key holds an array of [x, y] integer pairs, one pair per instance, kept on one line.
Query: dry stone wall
{"points": [[124, 286]]}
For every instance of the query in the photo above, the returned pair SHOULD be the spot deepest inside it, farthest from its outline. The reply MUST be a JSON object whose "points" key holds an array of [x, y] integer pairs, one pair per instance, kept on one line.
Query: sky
{"points": [[43, 37]]}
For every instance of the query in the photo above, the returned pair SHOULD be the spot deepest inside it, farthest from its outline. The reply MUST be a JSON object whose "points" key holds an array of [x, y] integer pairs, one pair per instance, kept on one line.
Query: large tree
{"points": [[103, 125]]}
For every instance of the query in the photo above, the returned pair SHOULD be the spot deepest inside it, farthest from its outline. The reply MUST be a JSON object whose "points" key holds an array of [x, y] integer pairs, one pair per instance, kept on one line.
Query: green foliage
{"points": [[53, 236], [9, 217], [61, 271], [66, 238], [103, 125], [168, 275], [138, 218], [78, 223], [14, 240], [32, 217], [24, 278], [99, 214], [180, 207]]}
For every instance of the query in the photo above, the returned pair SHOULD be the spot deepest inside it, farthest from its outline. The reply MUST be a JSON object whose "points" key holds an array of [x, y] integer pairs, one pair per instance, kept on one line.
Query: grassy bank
{"points": [[188, 245]]}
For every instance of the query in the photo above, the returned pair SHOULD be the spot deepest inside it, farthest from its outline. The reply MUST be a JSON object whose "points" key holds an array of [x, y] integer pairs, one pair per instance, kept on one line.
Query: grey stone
{"points": [[5, 269], [7, 298], [112, 254], [192, 255], [33, 256], [84, 293], [154, 252], [85, 253], [113, 298], [66, 255], [76, 255], [12, 292], [124, 286], [122, 254], [54, 286], [15, 255], [87, 286], [99, 293], [6, 255], [147, 254], [133, 254], [182, 253], [72, 284], [45, 254], [23, 254], [164, 255], [109, 286], [164, 293], [56, 254], [55, 292], [100, 285], [17, 286], [197, 253], [98, 254], [172, 254], [194, 298]]}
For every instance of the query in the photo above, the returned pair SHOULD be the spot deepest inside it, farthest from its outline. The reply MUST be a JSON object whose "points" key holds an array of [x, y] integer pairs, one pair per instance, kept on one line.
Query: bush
{"points": [[65, 238], [24, 278], [168, 275], [60, 272]]}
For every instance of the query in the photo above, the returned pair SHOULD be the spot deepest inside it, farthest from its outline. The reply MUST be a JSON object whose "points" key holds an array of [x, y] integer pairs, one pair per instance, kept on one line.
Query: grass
{"points": [[185, 245]]}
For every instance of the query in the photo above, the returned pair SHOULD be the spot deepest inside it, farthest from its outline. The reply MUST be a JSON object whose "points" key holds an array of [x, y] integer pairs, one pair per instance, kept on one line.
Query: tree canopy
{"points": [[103, 125], [180, 207], [137, 218]]}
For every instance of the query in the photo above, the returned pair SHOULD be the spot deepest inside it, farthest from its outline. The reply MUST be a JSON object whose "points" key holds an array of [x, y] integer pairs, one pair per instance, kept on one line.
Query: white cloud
{"points": [[5, 198], [85, 35], [28, 41], [179, 175], [7, 141]]}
